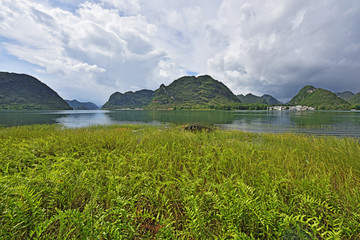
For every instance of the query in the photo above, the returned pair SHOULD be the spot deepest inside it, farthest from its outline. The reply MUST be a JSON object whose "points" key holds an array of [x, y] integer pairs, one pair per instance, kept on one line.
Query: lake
{"points": [[338, 123]]}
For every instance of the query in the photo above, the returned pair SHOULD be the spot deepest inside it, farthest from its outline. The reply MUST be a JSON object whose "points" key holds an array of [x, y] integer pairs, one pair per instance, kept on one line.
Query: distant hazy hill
{"points": [[346, 95], [138, 99], [76, 105], [265, 99], [318, 98], [21, 91], [355, 99], [191, 92]]}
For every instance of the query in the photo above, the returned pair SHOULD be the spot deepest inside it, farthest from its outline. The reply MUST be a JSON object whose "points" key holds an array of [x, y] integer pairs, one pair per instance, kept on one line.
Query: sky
{"points": [[87, 50]]}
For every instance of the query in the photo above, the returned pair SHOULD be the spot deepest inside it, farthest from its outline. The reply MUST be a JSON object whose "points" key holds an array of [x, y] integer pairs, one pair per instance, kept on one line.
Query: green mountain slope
{"points": [[76, 105], [355, 99], [319, 98], [138, 99], [192, 92], [346, 95], [252, 99], [270, 99], [21, 91]]}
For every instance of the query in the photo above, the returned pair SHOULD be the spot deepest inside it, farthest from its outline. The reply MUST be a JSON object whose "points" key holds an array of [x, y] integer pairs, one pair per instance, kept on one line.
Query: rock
{"points": [[196, 128]]}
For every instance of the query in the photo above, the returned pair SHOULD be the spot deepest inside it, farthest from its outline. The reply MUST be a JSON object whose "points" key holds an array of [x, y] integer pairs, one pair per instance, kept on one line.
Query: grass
{"points": [[136, 182]]}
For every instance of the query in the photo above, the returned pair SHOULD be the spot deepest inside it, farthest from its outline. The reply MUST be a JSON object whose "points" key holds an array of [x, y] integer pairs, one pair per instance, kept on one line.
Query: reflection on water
{"points": [[15, 118], [179, 117], [337, 123], [313, 122], [87, 118], [261, 121], [83, 119]]}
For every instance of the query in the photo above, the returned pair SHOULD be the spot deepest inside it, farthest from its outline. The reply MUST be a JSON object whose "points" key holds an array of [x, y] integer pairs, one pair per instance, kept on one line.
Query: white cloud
{"points": [[296, 22], [93, 48], [125, 6]]}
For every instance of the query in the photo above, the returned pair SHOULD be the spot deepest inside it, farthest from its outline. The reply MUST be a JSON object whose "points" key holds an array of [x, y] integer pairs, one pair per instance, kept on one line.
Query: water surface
{"points": [[339, 123]]}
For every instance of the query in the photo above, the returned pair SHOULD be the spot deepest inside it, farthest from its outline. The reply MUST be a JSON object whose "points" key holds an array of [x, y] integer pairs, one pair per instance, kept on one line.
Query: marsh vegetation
{"points": [[135, 182]]}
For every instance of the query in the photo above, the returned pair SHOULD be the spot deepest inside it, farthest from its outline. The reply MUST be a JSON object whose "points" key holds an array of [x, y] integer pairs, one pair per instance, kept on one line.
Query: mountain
{"points": [[319, 98], [21, 91], [355, 99], [346, 95], [271, 100], [76, 105], [250, 98], [192, 92], [265, 99], [138, 99]]}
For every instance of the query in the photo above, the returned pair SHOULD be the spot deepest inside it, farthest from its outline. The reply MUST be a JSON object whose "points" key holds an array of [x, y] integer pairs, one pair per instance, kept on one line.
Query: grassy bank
{"points": [[138, 182]]}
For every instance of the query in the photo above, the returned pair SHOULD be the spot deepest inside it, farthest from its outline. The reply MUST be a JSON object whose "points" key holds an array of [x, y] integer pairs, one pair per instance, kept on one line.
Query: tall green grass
{"points": [[136, 182]]}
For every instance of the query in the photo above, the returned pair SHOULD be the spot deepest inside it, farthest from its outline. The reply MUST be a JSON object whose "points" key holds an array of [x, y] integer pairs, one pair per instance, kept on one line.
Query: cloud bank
{"points": [[90, 49]]}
